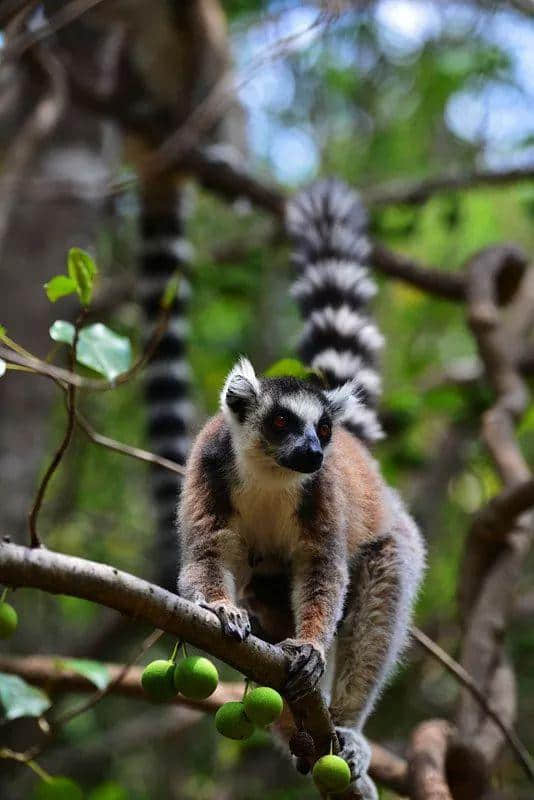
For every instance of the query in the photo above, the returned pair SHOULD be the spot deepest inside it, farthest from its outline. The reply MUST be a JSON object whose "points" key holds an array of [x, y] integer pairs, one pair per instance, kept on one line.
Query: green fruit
{"points": [[232, 722], [263, 705], [59, 788], [196, 677], [158, 680], [331, 774], [8, 620]]}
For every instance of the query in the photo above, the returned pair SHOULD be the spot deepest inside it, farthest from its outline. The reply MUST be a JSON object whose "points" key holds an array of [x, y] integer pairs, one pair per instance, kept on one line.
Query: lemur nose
{"points": [[312, 452]]}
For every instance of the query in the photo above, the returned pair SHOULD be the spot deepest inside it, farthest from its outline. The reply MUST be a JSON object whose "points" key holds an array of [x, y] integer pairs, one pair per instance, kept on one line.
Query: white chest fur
{"points": [[266, 517]]}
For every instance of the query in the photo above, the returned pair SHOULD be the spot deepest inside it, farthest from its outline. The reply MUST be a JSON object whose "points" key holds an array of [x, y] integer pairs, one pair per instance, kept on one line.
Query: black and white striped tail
{"points": [[328, 224], [164, 252]]}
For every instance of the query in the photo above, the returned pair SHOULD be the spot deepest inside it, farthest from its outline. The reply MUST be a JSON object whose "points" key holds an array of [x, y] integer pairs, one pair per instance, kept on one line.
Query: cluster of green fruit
{"points": [[194, 677], [261, 707]]}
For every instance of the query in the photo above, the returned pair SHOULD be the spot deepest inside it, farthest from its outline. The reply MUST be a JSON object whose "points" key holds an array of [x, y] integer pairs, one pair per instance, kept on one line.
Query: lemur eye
{"points": [[280, 421], [324, 430]]}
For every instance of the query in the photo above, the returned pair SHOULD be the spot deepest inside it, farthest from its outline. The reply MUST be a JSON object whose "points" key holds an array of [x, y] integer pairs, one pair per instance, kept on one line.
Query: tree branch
{"points": [[100, 583], [465, 679], [426, 761], [127, 449], [447, 285], [497, 518], [490, 568], [418, 192], [64, 16], [50, 673]]}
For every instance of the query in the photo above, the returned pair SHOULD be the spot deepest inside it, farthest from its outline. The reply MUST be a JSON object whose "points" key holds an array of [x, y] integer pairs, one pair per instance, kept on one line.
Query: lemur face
{"points": [[284, 420]]}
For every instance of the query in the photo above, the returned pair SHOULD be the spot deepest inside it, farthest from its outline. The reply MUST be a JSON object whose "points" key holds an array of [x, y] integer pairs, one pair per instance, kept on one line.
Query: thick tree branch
{"points": [[426, 761], [134, 597], [496, 519]]}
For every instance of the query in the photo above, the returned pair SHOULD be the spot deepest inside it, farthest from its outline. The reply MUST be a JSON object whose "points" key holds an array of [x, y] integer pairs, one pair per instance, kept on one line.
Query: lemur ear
{"points": [[241, 389], [343, 400]]}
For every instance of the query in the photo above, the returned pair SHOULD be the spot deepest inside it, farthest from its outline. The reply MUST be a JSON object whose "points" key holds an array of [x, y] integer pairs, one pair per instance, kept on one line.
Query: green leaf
{"points": [[171, 290], [3, 367], [58, 788], [110, 790], [82, 270], [94, 671], [59, 286], [19, 699], [290, 366], [99, 348]]}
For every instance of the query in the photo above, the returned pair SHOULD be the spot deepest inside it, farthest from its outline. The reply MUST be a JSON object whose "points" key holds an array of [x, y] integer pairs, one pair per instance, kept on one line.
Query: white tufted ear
{"points": [[241, 389], [343, 400]]}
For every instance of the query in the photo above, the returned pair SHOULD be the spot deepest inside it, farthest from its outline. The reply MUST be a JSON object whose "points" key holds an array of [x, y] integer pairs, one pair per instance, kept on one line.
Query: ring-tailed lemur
{"points": [[284, 515]]}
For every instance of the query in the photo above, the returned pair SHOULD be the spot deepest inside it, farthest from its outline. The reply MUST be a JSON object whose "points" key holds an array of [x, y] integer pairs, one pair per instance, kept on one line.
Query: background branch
{"points": [[50, 673], [490, 569]]}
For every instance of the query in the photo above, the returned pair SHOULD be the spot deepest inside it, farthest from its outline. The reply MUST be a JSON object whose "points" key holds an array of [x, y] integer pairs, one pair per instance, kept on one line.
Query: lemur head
{"points": [[282, 422]]}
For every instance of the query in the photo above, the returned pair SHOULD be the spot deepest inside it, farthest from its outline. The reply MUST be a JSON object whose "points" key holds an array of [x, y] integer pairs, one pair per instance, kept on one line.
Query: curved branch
{"points": [[491, 568], [56, 573], [50, 673], [499, 516], [447, 285], [426, 761]]}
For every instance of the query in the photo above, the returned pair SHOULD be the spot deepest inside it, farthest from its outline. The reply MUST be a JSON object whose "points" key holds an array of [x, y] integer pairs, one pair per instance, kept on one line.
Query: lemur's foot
{"points": [[234, 621], [305, 668], [357, 753]]}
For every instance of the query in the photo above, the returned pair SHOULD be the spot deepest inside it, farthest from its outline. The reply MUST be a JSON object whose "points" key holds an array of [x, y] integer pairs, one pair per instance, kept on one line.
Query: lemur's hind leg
{"points": [[382, 590]]}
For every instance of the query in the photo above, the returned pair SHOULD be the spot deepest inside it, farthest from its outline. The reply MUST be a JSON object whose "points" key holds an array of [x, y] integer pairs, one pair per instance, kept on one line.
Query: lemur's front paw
{"points": [[305, 668], [357, 753], [234, 621]]}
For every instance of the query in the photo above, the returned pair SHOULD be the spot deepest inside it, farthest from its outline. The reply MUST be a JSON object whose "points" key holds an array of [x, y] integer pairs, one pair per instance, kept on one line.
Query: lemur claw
{"points": [[357, 753], [305, 668], [234, 621]]}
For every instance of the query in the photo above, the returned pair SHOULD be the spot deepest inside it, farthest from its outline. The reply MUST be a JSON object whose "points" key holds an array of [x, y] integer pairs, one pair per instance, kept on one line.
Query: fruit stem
{"points": [[247, 684], [42, 773], [175, 650], [184, 648], [4, 595]]}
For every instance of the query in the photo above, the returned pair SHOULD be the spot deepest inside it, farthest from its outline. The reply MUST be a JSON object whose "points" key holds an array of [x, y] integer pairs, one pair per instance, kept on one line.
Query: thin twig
{"points": [[149, 642], [456, 669], [126, 449], [60, 452]]}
